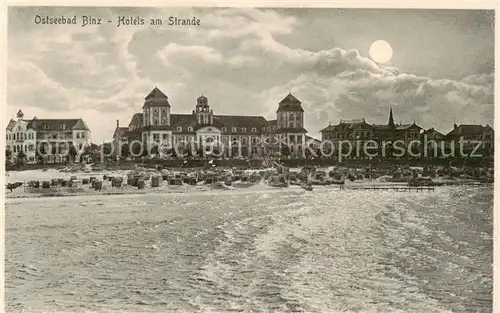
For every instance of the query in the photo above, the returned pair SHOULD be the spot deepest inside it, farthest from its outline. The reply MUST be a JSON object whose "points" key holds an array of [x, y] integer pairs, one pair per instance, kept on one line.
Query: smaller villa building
{"points": [[49, 138]]}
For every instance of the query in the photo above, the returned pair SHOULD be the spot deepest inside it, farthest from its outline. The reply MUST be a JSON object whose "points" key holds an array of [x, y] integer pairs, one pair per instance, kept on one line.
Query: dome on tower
{"points": [[202, 101]]}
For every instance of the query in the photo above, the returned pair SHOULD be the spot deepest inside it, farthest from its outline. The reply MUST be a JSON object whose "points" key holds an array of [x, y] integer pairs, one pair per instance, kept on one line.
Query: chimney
{"points": [[117, 123], [454, 126]]}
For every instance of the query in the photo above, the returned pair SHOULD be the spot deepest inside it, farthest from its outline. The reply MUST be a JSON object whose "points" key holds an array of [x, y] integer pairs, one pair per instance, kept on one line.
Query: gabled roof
{"points": [[248, 122], [156, 98], [344, 124], [156, 94], [328, 128], [381, 127], [470, 129], [433, 132], [403, 126], [272, 123], [11, 124], [80, 125], [120, 132], [308, 138], [183, 120], [290, 104], [57, 124], [228, 121], [135, 134]]}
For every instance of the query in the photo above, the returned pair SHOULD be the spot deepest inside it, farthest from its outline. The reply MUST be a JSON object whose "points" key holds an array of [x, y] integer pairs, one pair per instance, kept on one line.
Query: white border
{"points": [[394, 4]]}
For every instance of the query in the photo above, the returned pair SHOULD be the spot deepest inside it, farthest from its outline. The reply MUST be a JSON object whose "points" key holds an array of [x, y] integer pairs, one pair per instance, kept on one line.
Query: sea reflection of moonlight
{"points": [[381, 51]]}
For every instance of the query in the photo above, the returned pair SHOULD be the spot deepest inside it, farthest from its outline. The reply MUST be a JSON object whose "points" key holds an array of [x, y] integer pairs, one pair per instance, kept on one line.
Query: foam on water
{"points": [[269, 251]]}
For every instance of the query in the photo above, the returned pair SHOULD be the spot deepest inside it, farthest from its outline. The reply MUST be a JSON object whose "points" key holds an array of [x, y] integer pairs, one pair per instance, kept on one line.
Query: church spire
{"points": [[391, 119]]}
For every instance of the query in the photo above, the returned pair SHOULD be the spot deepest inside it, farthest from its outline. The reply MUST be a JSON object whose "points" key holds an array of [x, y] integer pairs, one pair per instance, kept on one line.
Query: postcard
{"points": [[249, 159]]}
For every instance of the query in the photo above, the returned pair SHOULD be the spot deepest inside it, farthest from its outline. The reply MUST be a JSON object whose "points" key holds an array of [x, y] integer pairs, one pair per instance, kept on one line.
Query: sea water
{"points": [[280, 251]]}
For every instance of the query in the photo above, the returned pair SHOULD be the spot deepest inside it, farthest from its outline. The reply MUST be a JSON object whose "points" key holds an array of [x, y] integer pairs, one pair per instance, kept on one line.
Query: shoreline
{"points": [[128, 194], [210, 190]]}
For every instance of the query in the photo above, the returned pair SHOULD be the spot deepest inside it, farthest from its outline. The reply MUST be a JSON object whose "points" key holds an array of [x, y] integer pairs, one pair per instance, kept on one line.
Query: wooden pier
{"points": [[401, 188], [394, 188]]}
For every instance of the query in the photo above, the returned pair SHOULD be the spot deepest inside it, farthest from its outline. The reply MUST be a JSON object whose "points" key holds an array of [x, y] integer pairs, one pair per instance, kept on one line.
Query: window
{"points": [[223, 129], [156, 137], [179, 128], [244, 129], [190, 129], [7, 137], [46, 126], [77, 135], [254, 130], [83, 135], [32, 147], [63, 126], [14, 148], [165, 136]]}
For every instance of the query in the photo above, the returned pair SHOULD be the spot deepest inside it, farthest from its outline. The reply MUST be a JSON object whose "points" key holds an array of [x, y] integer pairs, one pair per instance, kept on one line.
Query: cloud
{"points": [[178, 54]]}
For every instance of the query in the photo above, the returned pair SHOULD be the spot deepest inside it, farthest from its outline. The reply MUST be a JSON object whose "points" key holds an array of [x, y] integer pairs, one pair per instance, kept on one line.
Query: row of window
{"points": [[189, 129], [347, 135], [156, 137], [30, 136], [233, 129], [20, 136], [224, 139], [290, 119], [24, 148], [291, 124]]}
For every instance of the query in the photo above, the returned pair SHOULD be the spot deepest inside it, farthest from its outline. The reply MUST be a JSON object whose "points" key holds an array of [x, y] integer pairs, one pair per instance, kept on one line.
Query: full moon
{"points": [[381, 51]]}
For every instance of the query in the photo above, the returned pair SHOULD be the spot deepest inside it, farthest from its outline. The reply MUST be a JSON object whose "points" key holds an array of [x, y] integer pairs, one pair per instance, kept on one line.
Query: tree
{"points": [[136, 149], [86, 153], [285, 150], [154, 150], [8, 157], [72, 152], [125, 151], [39, 153], [21, 158], [8, 154]]}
